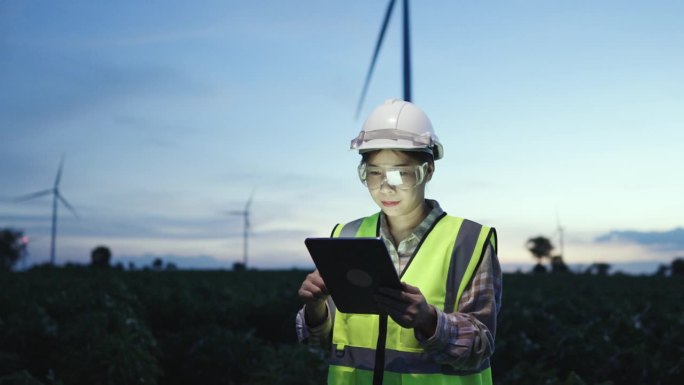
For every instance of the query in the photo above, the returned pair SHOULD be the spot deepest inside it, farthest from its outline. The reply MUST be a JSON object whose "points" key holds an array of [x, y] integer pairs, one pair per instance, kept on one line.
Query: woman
{"points": [[440, 328]]}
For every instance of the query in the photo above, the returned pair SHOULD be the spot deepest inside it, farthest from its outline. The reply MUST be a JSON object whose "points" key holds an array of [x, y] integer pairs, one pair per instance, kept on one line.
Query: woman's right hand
{"points": [[314, 293], [313, 290]]}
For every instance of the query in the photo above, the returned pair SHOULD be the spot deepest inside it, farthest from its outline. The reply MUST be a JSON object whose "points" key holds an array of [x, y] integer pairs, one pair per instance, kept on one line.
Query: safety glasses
{"points": [[400, 177]]}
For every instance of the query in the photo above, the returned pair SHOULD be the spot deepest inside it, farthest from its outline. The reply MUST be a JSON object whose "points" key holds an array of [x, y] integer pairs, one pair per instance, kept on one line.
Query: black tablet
{"points": [[353, 269]]}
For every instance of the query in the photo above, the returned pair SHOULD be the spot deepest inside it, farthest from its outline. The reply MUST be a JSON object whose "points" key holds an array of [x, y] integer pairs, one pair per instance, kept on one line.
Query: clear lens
{"points": [[404, 177]]}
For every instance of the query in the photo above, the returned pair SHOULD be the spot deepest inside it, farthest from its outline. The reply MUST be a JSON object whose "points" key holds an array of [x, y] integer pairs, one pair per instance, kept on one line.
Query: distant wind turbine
{"points": [[560, 230], [56, 196], [246, 226], [406, 55]]}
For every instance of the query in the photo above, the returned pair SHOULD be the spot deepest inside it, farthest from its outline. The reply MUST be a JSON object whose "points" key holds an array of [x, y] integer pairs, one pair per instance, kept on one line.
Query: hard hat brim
{"points": [[390, 144]]}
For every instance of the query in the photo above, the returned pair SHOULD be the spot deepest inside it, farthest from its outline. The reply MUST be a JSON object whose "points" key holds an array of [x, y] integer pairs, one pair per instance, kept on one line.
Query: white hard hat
{"points": [[400, 125]]}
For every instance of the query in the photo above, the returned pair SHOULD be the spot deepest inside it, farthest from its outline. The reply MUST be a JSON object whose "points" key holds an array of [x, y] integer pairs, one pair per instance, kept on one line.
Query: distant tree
{"points": [[539, 269], [662, 271], [602, 268], [239, 266], [540, 247], [677, 267], [12, 248], [598, 268], [157, 264], [170, 266], [558, 265], [100, 256]]}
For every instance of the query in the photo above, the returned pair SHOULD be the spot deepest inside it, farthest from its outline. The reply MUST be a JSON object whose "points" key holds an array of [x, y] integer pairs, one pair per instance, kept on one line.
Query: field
{"points": [[100, 326]]}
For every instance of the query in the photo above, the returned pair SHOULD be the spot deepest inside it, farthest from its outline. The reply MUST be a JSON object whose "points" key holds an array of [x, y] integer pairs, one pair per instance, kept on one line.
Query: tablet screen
{"points": [[353, 269]]}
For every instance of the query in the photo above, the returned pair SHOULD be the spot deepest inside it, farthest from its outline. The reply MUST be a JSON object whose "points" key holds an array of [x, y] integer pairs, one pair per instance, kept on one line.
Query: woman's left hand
{"points": [[408, 308]]}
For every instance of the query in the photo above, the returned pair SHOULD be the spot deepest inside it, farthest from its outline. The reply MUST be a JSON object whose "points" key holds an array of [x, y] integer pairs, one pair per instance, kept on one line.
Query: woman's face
{"points": [[392, 201]]}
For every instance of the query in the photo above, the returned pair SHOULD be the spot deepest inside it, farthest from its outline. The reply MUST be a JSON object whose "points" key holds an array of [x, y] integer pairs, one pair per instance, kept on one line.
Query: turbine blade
{"points": [[378, 44], [33, 195], [64, 201], [249, 201], [59, 172], [407, 53]]}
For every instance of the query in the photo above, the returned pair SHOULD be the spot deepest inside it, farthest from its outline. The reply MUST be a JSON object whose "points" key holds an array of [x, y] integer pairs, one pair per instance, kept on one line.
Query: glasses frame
{"points": [[420, 170]]}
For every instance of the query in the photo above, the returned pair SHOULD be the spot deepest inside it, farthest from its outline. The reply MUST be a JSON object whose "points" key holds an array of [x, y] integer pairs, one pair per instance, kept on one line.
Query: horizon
{"points": [[208, 263]]}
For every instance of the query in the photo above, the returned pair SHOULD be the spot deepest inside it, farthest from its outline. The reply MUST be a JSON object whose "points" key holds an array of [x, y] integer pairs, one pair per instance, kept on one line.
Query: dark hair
{"points": [[419, 156]]}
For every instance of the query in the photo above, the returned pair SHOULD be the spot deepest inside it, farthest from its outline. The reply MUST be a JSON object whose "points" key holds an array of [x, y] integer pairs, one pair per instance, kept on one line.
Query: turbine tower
{"points": [[56, 196], [406, 42], [245, 213]]}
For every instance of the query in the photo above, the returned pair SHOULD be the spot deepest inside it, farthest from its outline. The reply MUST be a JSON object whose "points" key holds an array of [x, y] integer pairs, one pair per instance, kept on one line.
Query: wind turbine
{"points": [[56, 196], [406, 54], [559, 230], [245, 213]]}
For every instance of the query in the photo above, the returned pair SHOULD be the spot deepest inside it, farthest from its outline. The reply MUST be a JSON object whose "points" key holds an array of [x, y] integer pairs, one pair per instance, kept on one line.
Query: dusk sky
{"points": [[169, 114]]}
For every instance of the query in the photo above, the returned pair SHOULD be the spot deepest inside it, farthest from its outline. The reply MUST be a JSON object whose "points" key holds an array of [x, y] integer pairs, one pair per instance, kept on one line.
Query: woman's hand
{"points": [[408, 308], [314, 293]]}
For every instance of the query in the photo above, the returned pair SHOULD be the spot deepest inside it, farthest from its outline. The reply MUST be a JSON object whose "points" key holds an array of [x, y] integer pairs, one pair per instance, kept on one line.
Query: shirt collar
{"points": [[422, 228]]}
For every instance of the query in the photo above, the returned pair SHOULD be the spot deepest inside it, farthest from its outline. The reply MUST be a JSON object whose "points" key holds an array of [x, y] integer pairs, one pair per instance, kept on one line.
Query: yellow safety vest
{"points": [[442, 268]]}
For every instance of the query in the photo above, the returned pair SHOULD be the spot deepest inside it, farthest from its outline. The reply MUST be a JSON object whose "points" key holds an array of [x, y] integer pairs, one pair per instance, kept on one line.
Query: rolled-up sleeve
{"points": [[317, 337]]}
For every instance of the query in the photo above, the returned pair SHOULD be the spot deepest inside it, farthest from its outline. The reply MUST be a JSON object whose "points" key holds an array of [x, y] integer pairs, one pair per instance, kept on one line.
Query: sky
{"points": [[170, 114]]}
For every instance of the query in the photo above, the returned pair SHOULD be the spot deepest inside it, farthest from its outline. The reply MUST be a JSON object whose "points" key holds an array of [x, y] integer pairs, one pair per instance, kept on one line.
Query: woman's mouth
{"points": [[389, 203]]}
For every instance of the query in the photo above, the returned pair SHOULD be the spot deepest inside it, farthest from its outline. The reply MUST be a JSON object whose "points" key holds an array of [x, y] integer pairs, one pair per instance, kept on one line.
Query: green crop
{"points": [[101, 326]]}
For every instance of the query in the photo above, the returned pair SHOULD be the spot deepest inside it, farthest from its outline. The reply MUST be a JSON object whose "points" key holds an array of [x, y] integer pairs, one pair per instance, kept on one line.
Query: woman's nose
{"points": [[386, 187]]}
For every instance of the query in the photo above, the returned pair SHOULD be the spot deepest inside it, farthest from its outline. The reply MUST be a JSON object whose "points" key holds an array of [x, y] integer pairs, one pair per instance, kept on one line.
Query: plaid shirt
{"points": [[463, 339]]}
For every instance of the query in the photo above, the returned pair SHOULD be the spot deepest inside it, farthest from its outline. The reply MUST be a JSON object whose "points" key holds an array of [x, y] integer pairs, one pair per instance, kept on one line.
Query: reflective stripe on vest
{"points": [[442, 267]]}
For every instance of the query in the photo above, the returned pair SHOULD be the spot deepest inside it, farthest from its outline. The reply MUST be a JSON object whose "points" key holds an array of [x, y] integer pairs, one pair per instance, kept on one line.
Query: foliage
{"points": [[81, 325], [593, 329], [677, 267], [598, 268], [157, 264], [12, 248], [107, 326], [558, 265], [540, 247], [539, 268], [100, 256]]}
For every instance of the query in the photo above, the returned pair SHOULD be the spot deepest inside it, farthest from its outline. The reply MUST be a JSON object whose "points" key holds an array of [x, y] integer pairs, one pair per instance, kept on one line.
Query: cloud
{"points": [[668, 240], [43, 87]]}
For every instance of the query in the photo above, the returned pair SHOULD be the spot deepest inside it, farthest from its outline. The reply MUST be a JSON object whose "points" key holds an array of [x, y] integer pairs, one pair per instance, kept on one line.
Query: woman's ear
{"points": [[430, 171]]}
